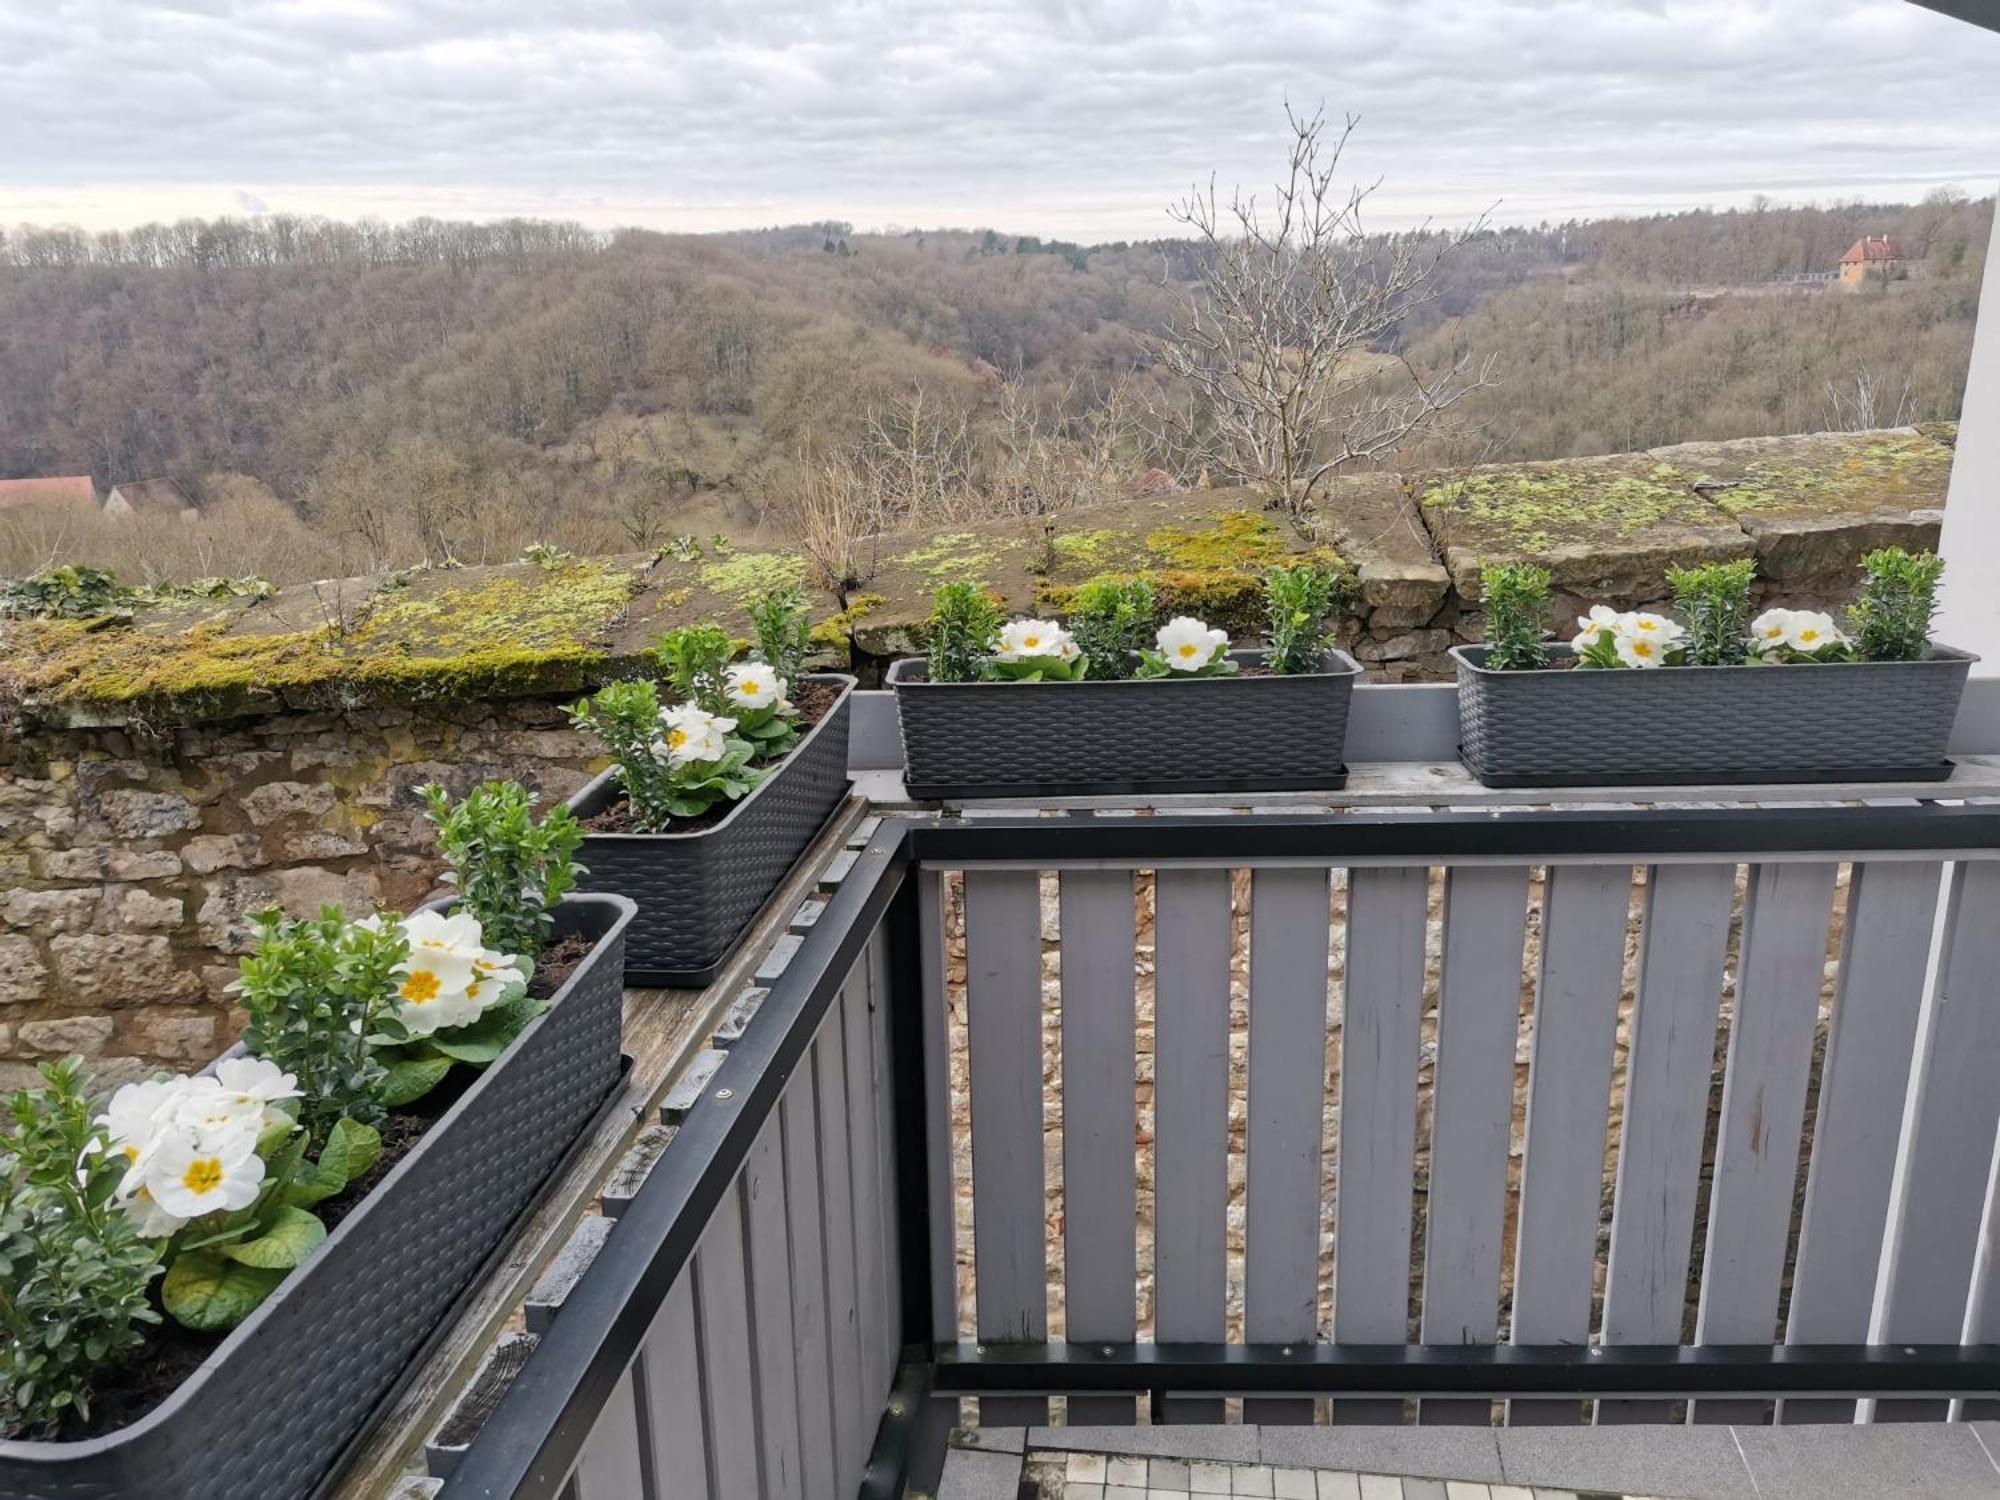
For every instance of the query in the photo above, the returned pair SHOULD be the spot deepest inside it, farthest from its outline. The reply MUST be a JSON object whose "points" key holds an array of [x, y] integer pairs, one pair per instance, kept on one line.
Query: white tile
{"points": [[1130, 1472], [1085, 1468], [1167, 1474], [1123, 1492], [1380, 1487], [1513, 1492], [1083, 1492], [1293, 1484], [1338, 1485], [1251, 1479], [1208, 1479], [1554, 1495], [1459, 1489]]}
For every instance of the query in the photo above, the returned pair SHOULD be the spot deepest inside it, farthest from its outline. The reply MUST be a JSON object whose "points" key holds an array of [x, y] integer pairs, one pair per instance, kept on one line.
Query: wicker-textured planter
{"points": [[1203, 734], [699, 892], [1845, 721], [272, 1412]]}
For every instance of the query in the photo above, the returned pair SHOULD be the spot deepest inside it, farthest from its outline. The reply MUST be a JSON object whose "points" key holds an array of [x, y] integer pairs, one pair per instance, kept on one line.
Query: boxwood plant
{"points": [[195, 1195]]}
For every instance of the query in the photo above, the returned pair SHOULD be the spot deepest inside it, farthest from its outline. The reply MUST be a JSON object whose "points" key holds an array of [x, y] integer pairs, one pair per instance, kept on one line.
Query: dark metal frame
{"points": [[533, 1439]]}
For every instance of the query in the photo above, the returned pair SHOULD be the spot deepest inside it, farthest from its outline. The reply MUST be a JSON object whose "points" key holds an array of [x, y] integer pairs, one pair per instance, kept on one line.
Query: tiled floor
{"points": [[1102, 1476]]}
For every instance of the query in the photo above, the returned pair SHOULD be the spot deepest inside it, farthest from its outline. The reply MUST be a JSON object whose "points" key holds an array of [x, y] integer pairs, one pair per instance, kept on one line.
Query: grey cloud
{"points": [[1071, 118]]}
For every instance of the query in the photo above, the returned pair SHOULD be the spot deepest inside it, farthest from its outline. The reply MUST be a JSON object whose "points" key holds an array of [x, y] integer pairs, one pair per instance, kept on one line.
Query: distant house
{"points": [[151, 497], [69, 491], [1872, 256]]}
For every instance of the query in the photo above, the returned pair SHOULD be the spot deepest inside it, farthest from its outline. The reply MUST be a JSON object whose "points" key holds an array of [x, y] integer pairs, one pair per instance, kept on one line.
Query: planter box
{"points": [[699, 892], [284, 1398], [1845, 721], [1206, 734]]}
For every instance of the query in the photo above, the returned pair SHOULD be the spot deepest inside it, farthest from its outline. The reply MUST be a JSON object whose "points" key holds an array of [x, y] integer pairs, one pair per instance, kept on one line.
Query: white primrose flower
{"points": [[1602, 621], [458, 937], [434, 991], [1023, 639], [1641, 650], [689, 733], [755, 684], [1772, 628], [257, 1082], [1640, 623], [213, 1112], [188, 1176], [1809, 630], [1187, 645]]}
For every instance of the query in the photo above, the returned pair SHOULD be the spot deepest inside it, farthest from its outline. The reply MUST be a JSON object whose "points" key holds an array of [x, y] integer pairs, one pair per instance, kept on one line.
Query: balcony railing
{"points": [[1743, 1060]]}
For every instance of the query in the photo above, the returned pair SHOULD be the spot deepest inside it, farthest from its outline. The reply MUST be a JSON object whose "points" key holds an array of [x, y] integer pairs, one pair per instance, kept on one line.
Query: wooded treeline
{"points": [[349, 396]]}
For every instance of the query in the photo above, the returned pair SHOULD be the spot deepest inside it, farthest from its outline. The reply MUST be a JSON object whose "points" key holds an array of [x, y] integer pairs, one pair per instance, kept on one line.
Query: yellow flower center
{"points": [[746, 689], [1188, 649], [421, 987], [1642, 648], [1031, 641], [130, 1153], [1808, 635], [203, 1174], [676, 738]]}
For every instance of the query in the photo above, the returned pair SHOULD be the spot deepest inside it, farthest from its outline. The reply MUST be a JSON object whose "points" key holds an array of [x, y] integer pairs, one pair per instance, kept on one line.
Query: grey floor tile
{"points": [[1427, 1452], [990, 1439], [1423, 1489], [1700, 1463], [1868, 1463], [980, 1476], [1222, 1444]]}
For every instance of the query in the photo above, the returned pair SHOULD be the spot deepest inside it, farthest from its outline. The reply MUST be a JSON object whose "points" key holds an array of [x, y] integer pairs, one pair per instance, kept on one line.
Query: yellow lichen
{"points": [[1233, 539], [746, 576]]}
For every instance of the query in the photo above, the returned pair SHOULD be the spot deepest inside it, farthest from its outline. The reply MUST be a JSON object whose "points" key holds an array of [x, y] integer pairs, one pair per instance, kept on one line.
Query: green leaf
{"points": [[209, 1294], [351, 1148], [486, 1038], [286, 1242], [411, 1078]]}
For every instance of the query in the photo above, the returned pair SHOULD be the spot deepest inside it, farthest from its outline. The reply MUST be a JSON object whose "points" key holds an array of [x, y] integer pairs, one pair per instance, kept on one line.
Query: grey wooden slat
{"points": [[610, 1467], [1982, 1305], [885, 1150], [1683, 943], [1942, 1159], [853, 1419], [1382, 1006], [878, 1352], [722, 1331], [672, 1365], [1290, 932], [1783, 963], [805, 1219], [937, 1104], [770, 1256], [1885, 956], [1479, 1016], [1191, 937], [1100, 1122], [1569, 1099], [1003, 999]]}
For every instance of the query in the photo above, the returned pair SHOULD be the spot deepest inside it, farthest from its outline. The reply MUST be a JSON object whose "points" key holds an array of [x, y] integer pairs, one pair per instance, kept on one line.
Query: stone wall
{"points": [[129, 862]]}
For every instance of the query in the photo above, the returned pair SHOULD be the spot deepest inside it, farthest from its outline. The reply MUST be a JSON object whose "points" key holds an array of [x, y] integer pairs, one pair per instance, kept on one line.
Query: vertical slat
{"points": [[1683, 943], [805, 1217], [673, 1369], [933, 976], [853, 1419], [610, 1467], [722, 1324], [770, 1258], [1569, 1102], [1783, 962], [1003, 1001], [1381, 1012], [1100, 1121], [1479, 1014], [1885, 956], [878, 1353], [1942, 1161], [885, 1153], [1191, 1116], [1290, 934], [1982, 1306]]}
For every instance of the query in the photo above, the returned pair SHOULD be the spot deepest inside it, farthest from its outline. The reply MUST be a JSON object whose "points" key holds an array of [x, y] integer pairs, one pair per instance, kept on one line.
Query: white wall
{"points": [[1970, 616]]}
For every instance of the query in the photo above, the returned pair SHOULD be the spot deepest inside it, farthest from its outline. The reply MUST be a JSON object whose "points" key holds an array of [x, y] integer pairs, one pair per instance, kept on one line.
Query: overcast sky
{"points": [[1076, 120]]}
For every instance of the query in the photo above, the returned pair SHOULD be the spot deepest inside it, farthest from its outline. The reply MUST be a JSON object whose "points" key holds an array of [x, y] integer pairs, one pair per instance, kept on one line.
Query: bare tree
{"points": [[1874, 401], [1287, 349]]}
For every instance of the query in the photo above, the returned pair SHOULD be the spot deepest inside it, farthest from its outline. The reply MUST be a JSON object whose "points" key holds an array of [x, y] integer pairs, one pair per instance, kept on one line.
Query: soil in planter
{"points": [[168, 1353], [813, 699]]}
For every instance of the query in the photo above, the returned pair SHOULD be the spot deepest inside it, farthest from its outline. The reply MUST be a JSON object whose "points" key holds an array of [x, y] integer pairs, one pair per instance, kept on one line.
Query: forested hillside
{"points": [[347, 397]]}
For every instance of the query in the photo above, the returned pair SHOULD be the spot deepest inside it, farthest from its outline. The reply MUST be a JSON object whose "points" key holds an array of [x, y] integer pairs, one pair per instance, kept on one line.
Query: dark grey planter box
{"points": [[1082, 739], [699, 892], [286, 1396], [1844, 721]]}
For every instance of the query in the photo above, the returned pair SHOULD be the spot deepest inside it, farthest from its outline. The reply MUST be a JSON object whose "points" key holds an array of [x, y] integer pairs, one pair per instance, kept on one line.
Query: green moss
{"points": [[1538, 507], [950, 557], [1086, 549], [1233, 539], [747, 576], [1857, 475], [833, 633]]}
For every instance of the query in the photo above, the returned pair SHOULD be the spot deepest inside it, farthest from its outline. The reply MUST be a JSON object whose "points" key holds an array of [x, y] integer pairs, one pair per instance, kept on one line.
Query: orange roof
{"points": [[63, 489], [1872, 247]]}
